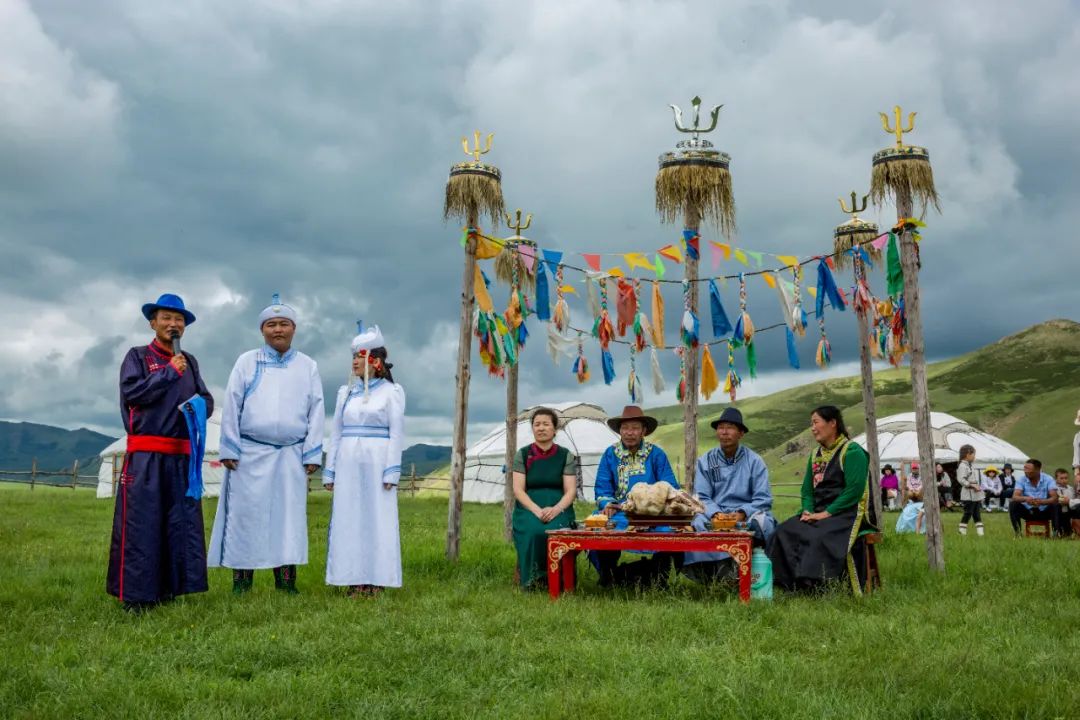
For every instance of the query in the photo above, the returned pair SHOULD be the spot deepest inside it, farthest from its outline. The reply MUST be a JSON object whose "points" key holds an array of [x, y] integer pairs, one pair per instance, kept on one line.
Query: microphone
{"points": [[175, 334]]}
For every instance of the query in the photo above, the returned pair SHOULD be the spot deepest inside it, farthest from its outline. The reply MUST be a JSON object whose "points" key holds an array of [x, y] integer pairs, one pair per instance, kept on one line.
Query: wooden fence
{"points": [[50, 478]]}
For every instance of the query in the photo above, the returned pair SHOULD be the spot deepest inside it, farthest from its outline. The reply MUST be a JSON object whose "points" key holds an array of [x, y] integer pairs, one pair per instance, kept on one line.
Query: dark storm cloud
{"points": [[229, 151]]}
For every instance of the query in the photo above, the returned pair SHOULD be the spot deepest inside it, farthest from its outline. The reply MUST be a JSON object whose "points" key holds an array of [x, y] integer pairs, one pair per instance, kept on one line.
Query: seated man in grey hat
{"points": [[730, 478], [628, 462]]}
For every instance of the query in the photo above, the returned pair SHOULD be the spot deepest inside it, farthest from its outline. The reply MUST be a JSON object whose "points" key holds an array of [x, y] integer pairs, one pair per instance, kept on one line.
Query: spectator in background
{"points": [[1035, 497], [890, 488], [1008, 485], [913, 484], [991, 487], [1070, 506], [944, 484]]}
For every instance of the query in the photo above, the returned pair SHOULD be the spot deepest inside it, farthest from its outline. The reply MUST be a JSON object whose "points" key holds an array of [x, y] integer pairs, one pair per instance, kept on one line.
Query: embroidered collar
{"points": [[723, 459], [270, 355], [358, 387], [159, 349], [825, 454], [630, 465]]}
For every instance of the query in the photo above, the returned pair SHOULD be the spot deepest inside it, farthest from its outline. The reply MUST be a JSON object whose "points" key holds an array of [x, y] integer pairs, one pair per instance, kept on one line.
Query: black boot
{"points": [[285, 579], [242, 580]]}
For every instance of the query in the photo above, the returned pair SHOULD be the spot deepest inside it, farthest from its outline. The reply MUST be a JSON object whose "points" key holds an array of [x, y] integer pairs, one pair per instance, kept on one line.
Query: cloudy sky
{"points": [[228, 150]]}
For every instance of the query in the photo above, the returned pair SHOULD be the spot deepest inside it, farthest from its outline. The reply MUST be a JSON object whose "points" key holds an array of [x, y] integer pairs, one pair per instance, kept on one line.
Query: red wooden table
{"points": [[564, 545]]}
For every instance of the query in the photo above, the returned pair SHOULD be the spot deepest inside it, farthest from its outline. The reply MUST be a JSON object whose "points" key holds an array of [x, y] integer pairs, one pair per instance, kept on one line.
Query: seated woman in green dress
{"points": [[545, 485], [822, 543]]}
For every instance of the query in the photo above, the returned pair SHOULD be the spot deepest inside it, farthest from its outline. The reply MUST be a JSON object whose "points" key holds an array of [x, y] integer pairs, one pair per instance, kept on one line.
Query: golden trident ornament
{"points": [[899, 130], [517, 225], [696, 129], [477, 151], [855, 209]]}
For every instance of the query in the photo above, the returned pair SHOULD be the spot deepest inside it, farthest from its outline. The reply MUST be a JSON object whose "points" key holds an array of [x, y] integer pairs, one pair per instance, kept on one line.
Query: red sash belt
{"points": [[158, 444]]}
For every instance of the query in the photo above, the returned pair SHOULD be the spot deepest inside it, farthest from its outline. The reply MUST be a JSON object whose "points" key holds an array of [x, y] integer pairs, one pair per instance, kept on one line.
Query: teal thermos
{"points": [[760, 575]]}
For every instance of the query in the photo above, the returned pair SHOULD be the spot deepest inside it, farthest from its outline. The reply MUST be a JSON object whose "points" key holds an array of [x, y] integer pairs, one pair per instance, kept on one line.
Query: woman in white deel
{"points": [[363, 466]]}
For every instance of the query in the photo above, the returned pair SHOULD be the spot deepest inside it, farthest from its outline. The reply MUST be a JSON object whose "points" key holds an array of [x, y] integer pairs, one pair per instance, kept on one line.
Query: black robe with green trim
{"points": [[806, 554]]}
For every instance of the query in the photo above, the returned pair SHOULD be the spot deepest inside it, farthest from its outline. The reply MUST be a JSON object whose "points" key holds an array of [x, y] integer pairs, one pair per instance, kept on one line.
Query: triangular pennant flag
{"points": [[714, 253], [692, 240], [721, 326], [552, 258], [616, 272], [812, 290], [658, 267], [671, 253], [880, 241], [637, 260], [769, 279], [528, 256], [657, 316], [830, 262], [487, 249], [741, 257], [756, 256], [722, 247], [568, 289], [592, 260], [789, 260]]}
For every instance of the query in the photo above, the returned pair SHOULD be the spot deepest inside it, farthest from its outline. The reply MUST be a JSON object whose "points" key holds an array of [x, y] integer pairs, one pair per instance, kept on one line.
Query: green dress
{"points": [[544, 486]]}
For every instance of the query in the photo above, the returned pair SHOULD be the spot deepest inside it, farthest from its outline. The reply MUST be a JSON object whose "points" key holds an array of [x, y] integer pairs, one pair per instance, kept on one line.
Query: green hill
{"points": [[1024, 388], [55, 448]]}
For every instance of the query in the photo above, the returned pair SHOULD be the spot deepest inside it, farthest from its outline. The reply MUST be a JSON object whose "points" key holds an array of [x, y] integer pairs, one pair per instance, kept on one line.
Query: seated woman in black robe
{"points": [[817, 545]]}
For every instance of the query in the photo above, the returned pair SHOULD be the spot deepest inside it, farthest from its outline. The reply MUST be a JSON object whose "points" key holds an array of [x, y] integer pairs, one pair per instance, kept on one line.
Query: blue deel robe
{"points": [[728, 485], [158, 548]]}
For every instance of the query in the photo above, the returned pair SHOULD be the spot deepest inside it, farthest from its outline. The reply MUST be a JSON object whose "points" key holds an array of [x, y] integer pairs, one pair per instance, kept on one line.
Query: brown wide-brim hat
{"points": [[633, 412]]}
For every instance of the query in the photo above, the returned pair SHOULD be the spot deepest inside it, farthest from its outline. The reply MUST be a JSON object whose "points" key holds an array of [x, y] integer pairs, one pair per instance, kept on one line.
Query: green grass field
{"points": [[995, 637]]}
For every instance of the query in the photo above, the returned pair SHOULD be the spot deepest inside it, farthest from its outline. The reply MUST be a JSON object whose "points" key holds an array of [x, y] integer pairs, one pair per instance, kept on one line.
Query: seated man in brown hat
{"points": [[628, 462], [730, 478]]}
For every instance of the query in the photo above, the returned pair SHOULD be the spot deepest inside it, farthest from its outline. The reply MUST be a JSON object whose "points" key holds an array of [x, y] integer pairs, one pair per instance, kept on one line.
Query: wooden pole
{"points": [[869, 404], [33, 473], [74, 474], [691, 221], [511, 448], [461, 395], [935, 549], [412, 479]]}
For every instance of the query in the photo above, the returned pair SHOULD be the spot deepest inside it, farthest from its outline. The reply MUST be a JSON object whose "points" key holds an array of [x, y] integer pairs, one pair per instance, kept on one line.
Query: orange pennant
{"points": [[671, 253]]}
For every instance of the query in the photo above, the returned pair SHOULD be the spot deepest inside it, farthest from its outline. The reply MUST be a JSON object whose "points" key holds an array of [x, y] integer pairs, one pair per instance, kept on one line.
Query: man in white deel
{"points": [[271, 440]]}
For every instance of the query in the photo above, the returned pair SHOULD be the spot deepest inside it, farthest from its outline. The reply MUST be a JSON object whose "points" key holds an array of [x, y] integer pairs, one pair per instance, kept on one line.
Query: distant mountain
{"points": [[427, 458], [1024, 388], [55, 448]]}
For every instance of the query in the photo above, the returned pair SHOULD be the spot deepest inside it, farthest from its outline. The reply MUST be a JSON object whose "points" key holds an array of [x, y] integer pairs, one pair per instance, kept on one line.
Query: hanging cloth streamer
{"points": [[657, 315], [826, 289], [792, 350], [824, 350], [743, 334], [732, 381], [561, 316], [632, 385], [581, 365], [658, 384], [602, 329], [690, 329], [625, 306], [543, 302], [608, 364], [894, 270], [721, 326], [710, 381], [480, 289], [590, 292]]}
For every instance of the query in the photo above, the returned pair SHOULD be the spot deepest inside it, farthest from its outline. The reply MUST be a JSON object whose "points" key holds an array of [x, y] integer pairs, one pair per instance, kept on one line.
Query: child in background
{"points": [[1070, 506], [913, 483], [991, 487], [1008, 484], [971, 492]]}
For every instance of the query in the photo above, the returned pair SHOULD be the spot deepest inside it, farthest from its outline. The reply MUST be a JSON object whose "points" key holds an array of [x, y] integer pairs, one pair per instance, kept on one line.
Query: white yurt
{"points": [[112, 462], [898, 444], [583, 430]]}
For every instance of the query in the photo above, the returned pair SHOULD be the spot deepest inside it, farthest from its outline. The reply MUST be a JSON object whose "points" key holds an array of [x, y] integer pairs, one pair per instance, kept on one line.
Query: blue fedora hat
{"points": [[733, 416], [168, 301]]}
